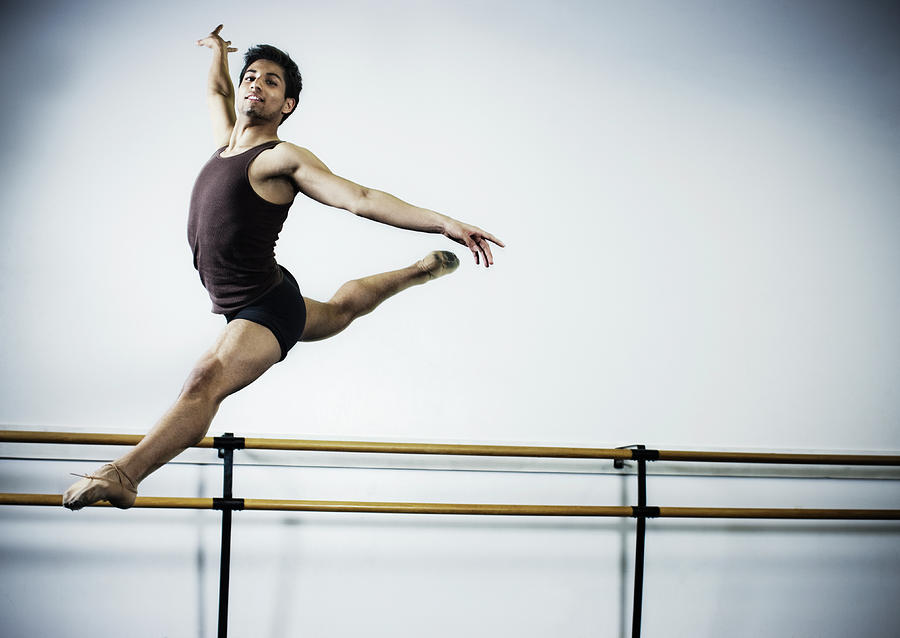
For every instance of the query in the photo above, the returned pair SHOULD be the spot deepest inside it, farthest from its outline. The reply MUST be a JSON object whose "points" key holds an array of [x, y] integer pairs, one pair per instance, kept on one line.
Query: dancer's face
{"points": [[261, 92]]}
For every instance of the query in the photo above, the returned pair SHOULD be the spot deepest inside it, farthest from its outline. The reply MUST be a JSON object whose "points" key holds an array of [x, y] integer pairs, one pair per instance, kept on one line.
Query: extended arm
{"points": [[314, 179], [220, 90]]}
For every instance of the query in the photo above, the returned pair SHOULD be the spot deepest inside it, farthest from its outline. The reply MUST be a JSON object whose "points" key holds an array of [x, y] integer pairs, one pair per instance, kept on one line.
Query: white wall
{"points": [[700, 206]]}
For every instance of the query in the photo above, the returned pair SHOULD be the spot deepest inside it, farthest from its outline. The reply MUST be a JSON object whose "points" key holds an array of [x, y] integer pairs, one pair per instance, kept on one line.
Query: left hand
{"points": [[474, 239]]}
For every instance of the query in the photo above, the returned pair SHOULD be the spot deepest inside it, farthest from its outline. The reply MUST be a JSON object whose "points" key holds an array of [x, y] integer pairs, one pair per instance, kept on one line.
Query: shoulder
{"points": [[286, 158], [291, 153]]}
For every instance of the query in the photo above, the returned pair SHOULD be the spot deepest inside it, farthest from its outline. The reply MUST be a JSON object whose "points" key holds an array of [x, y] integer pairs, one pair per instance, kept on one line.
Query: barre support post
{"points": [[640, 535], [226, 444]]}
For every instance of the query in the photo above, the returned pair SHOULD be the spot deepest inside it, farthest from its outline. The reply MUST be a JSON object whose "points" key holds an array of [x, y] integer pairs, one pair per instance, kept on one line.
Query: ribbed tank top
{"points": [[232, 232]]}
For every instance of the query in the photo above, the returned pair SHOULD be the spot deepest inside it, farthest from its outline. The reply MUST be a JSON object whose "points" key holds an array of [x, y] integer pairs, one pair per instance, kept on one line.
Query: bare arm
{"points": [[315, 180], [220, 90]]}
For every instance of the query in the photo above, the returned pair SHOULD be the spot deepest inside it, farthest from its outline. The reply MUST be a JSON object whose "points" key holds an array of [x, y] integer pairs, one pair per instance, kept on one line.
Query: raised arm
{"points": [[220, 90], [311, 177]]}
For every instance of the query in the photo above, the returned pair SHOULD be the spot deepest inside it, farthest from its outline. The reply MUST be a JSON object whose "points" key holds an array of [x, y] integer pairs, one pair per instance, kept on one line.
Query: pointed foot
{"points": [[438, 263], [109, 483]]}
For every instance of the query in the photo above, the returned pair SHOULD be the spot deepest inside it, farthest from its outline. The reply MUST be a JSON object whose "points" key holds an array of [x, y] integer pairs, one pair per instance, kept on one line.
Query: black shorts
{"points": [[281, 310]]}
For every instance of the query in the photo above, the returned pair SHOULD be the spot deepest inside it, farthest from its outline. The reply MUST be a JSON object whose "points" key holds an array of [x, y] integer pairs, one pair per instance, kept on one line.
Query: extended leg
{"points": [[242, 353], [361, 296]]}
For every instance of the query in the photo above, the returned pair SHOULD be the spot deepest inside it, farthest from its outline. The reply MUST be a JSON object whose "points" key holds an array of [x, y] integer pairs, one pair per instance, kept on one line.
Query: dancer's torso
{"points": [[233, 230]]}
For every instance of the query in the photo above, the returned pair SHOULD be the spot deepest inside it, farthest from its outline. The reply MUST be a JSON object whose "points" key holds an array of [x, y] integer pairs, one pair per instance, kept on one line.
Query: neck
{"points": [[247, 134]]}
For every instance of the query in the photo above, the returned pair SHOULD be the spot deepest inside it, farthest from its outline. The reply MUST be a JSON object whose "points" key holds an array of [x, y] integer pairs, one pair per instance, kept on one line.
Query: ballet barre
{"points": [[452, 449], [474, 509], [227, 503]]}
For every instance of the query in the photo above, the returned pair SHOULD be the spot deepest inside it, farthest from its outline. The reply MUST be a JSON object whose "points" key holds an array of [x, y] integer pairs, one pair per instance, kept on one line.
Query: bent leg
{"points": [[243, 352], [361, 296]]}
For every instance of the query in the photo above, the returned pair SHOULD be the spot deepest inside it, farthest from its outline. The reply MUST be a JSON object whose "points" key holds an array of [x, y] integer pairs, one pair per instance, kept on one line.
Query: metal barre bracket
{"points": [[638, 453], [228, 441], [232, 504]]}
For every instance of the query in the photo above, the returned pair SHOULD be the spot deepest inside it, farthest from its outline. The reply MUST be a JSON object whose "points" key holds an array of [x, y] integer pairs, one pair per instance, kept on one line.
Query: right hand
{"points": [[215, 42]]}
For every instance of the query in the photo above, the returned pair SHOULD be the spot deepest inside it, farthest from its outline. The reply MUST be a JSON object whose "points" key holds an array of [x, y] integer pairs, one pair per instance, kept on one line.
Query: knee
{"points": [[203, 381], [353, 299], [342, 309]]}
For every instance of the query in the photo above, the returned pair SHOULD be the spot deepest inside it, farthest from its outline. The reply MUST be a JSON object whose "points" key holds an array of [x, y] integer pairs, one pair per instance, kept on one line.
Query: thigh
{"points": [[243, 352], [282, 310], [323, 320]]}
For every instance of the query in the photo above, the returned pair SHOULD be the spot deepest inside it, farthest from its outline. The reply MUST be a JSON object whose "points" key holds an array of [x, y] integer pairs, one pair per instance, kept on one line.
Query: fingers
{"points": [[476, 240], [485, 251], [213, 37], [481, 250], [471, 245], [209, 42], [493, 239], [485, 235], [213, 40]]}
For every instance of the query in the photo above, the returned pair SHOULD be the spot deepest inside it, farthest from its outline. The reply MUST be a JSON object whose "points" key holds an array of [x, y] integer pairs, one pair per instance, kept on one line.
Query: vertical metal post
{"points": [[227, 453], [639, 545]]}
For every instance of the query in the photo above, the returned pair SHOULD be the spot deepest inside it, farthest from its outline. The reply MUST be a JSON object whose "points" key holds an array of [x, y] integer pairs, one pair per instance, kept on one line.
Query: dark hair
{"points": [[293, 83]]}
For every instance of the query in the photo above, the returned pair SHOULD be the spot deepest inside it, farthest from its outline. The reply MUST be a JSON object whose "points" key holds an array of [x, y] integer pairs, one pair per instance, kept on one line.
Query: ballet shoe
{"points": [[438, 263], [109, 483]]}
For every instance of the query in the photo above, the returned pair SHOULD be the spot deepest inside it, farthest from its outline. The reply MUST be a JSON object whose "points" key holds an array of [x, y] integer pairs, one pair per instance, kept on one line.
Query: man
{"points": [[238, 205]]}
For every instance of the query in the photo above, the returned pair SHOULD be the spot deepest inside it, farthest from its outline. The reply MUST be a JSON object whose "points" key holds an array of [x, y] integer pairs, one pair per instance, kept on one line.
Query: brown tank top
{"points": [[232, 232]]}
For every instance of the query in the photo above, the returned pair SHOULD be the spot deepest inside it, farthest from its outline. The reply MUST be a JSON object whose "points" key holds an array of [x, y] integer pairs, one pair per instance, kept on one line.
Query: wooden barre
{"points": [[70, 438], [779, 513], [76, 438], [55, 500], [779, 458], [449, 449], [301, 445]]}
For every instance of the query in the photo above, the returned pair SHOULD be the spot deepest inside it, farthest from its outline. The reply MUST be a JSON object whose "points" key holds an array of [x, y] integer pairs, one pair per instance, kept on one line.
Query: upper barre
{"points": [[85, 438]]}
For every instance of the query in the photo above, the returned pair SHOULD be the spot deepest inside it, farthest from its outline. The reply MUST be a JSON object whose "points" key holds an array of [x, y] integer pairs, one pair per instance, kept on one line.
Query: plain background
{"points": [[700, 203]]}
